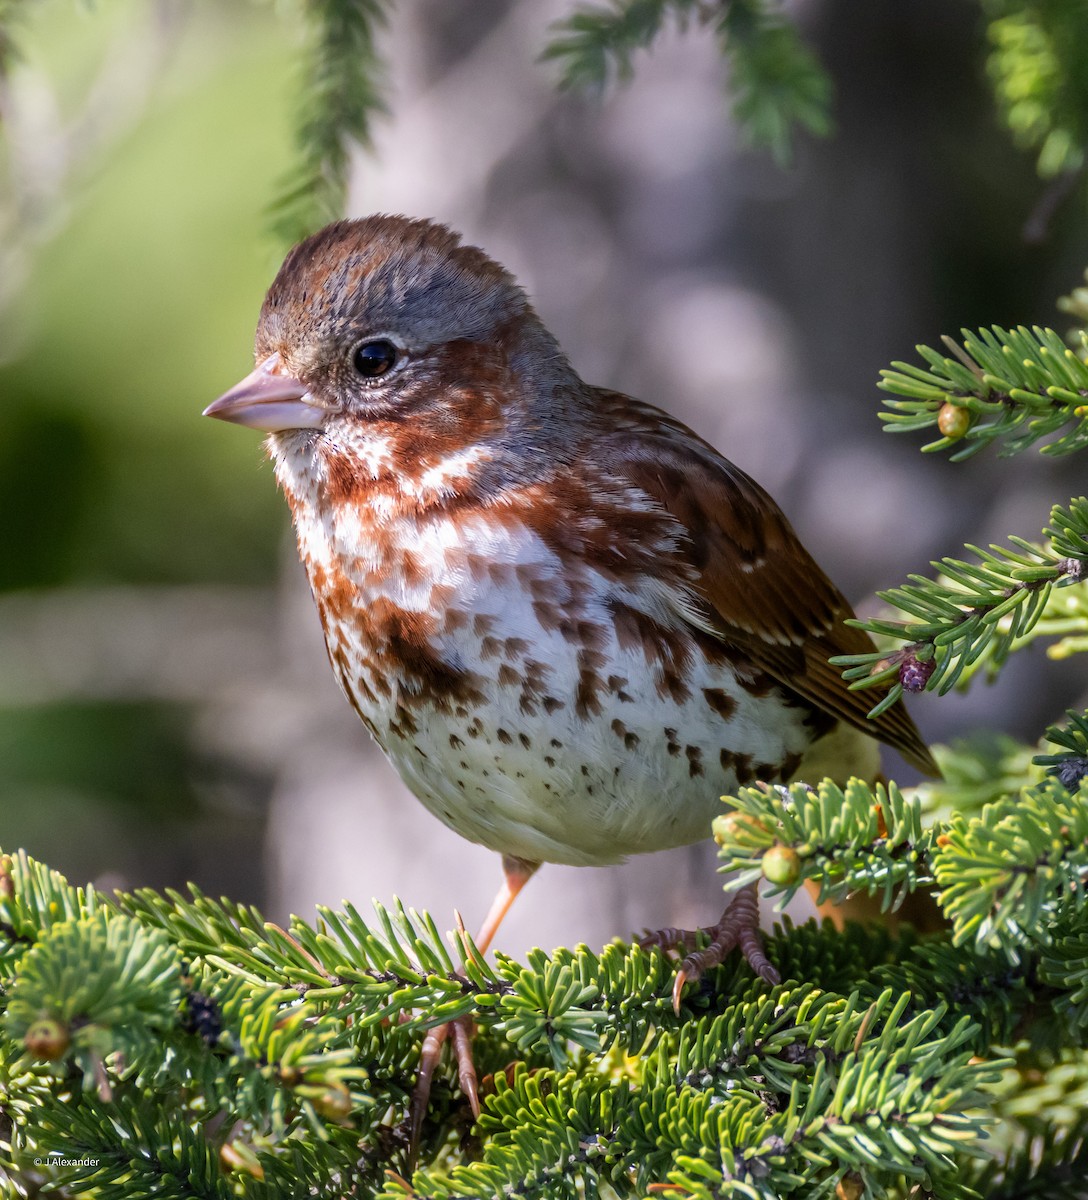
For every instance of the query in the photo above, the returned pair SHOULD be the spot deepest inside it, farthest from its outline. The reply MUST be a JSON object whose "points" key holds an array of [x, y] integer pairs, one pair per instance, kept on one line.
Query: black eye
{"points": [[372, 359]]}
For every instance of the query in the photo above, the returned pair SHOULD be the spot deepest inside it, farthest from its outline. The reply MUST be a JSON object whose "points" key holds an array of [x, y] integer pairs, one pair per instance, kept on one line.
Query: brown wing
{"points": [[762, 588]]}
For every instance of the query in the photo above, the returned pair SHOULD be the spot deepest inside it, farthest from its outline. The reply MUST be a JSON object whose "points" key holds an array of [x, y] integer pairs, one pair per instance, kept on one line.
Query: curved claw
{"points": [[738, 927], [466, 1069], [678, 988]]}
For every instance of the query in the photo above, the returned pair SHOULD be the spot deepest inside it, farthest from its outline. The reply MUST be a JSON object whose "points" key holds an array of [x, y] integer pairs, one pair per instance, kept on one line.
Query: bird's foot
{"points": [[459, 1033], [738, 926]]}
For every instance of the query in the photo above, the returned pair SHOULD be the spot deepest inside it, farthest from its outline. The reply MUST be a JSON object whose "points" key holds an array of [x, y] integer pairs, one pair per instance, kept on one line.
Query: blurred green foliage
{"points": [[1038, 67], [140, 310], [139, 283]]}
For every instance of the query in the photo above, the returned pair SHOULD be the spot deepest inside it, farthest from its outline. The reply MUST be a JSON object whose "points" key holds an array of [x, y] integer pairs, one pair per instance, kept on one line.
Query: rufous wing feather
{"points": [[761, 588]]}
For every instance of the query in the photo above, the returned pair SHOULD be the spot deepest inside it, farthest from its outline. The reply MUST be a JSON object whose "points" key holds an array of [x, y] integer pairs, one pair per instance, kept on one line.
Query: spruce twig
{"points": [[1014, 387], [341, 97], [776, 83], [974, 614]]}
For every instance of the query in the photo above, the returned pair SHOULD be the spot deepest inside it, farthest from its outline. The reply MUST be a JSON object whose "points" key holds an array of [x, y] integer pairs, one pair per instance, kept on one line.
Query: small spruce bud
{"points": [[1071, 771], [914, 673], [850, 1187], [7, 884], [47, 1039], [201, 1016], [1075, 570], [237, 1156], [953, 420], [333, 1102], [782, 865], [737, 826]]}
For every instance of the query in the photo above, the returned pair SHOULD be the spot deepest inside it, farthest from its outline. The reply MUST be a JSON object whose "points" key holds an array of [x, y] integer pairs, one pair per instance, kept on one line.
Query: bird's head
{"points": [[390, 327]]}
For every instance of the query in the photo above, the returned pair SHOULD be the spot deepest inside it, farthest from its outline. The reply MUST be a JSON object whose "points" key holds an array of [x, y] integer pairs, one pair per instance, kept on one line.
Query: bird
{"points": [[568, 621]]}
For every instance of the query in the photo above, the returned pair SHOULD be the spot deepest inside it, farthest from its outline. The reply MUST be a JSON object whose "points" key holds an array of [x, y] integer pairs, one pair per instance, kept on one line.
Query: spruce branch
{"points": [[32, 899], [776, 83], [723, 1108], [841, 838], [1014, 874], [341, 97], [995, 993], [1064, 965], [975, 614], [57, 1009], [251, 1051], [1010, 386], [1006, 877]]}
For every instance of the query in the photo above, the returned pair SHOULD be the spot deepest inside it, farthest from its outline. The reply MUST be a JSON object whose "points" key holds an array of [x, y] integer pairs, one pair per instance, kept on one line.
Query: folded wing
{"points": [[761, 589]]}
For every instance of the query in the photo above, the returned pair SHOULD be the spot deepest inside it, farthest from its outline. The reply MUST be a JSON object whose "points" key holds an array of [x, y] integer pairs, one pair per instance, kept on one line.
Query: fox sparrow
{"points": [[569, 623]]}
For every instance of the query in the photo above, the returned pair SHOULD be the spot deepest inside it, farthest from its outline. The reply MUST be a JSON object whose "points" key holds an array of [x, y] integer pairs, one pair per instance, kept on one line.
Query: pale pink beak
{"points": [[268, 398]]}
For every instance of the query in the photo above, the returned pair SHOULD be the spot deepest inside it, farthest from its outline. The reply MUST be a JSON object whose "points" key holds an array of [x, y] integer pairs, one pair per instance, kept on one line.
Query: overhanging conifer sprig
{"points": [[341, 96], [1036, 67], [597, 43], [1062, 622], [1010, 386], [776, 82], [974, 611]]}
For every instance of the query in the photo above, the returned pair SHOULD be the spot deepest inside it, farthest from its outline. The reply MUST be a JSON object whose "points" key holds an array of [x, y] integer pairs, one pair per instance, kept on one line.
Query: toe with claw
{"points": [[459, 1034], [738, 926]]}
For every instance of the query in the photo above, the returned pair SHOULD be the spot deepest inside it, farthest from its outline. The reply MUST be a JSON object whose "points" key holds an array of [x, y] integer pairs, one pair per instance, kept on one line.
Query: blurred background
{"points": [[166, 709]]}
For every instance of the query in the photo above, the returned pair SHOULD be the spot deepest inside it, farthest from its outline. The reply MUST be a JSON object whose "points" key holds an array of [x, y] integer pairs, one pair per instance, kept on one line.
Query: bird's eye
{"points": [[372, 359]]}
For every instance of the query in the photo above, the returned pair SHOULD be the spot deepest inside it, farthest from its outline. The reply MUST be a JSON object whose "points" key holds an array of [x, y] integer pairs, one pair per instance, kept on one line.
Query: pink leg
{"points": [[516, 873]]}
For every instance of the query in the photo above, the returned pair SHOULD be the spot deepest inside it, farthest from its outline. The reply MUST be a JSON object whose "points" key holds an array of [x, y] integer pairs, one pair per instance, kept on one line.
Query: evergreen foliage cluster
{"points": [[177, 1046], [1037, 65], [775, 80]]}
